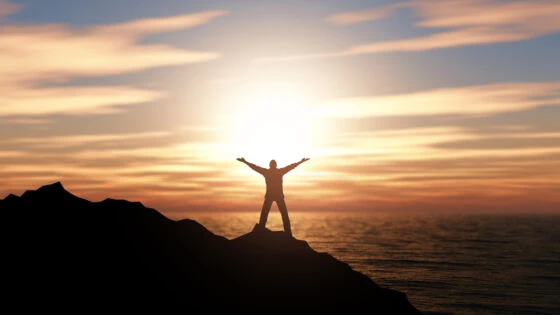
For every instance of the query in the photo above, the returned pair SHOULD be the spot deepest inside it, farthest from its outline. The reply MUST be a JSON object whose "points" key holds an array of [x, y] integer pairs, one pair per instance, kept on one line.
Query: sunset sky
{"points": [[426, 105]]}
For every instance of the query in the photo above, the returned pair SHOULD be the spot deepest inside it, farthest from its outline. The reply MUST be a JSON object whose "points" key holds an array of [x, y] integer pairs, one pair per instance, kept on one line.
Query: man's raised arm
{"points": [[290, 167], [255, 168]]}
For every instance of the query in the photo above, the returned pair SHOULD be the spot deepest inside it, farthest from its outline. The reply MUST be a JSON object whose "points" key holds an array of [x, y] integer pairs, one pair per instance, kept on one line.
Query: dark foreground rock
{"points": [[64, 253]]}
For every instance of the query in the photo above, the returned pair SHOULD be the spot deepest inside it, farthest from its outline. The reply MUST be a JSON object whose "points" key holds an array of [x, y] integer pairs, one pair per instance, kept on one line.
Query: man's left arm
{"points": [[290, 167]]}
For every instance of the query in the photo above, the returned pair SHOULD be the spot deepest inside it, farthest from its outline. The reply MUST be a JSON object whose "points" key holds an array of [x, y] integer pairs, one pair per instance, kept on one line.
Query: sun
{"points": [[276, 125]]}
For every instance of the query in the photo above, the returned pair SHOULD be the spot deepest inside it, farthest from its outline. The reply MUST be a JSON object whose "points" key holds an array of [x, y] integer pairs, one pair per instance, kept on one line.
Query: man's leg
{"points": [[264, 212], [284, 212]]}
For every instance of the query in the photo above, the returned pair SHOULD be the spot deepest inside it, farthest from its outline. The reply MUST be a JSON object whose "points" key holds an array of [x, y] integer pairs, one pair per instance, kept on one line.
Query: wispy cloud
{"points": [[61, 52], [7, 8], [465, 23], [32, 56], [143, 27], [355, 17], [24, 121], [34, 101], [471, 100], [474, 23], [85, 139]]}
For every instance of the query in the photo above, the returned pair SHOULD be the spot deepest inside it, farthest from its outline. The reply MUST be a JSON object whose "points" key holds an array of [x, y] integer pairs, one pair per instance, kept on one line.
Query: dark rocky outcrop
{"points": [[64, 253]]}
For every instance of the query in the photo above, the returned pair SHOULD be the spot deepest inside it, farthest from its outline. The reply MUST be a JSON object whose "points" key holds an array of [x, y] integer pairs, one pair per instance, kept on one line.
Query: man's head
{"points": [[272, 164]]}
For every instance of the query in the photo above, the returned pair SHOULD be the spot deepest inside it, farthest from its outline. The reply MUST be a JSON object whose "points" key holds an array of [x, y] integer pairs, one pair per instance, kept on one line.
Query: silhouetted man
{"points": [[274, 190]]}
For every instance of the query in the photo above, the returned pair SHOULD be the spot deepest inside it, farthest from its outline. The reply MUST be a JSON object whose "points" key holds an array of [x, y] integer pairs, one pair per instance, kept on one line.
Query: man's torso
{"points": [[273, 178]]}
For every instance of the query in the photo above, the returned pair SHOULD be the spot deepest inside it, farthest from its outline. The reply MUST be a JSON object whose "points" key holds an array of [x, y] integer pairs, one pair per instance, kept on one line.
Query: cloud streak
{"points": [[478, 22], [34, 56], [472, 100], [348, 18], [85, 139], [465, 23], [7, 8], [35, 101]]}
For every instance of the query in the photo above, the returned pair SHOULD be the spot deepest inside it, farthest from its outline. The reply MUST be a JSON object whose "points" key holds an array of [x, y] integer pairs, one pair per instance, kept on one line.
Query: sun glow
{"points": [[275, 125]]}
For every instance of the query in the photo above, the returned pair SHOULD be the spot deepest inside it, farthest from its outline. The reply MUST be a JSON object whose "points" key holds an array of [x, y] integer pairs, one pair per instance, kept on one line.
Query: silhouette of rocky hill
{"points": [[64, 253]]}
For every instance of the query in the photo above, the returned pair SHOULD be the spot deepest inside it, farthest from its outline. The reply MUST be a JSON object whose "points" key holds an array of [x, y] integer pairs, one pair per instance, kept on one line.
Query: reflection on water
{"points": [[461, 264]]}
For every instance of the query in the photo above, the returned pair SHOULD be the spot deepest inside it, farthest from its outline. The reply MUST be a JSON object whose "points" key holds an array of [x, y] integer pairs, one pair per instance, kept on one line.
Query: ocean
{"points": [[445, 263]]}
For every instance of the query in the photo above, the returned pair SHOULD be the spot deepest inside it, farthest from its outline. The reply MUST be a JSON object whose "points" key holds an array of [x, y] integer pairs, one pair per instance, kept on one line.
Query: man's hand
{"points": [[241, 159], [304, 159]]}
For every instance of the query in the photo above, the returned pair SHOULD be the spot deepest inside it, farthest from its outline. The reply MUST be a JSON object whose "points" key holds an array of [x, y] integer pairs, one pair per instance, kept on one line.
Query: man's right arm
{"points": [[254, 167]]}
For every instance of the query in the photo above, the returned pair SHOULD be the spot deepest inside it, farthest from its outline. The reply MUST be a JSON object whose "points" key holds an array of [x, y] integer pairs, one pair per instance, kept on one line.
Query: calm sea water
{"points": [[447, 264]]}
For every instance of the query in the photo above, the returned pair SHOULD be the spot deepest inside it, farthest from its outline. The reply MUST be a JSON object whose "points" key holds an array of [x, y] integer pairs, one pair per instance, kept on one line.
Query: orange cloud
{"points": [[471, 100], [25, 121], [386, 168], [85, 139], [31, 56], [32, 101]]}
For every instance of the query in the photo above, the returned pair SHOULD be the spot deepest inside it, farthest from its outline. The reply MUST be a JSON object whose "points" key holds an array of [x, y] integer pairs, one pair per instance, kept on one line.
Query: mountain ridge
{"points": [[117, 253]]}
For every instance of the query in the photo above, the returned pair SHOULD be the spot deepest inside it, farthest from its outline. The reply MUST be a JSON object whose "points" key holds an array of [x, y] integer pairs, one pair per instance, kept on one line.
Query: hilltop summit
{"points": [[66, 253]]}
